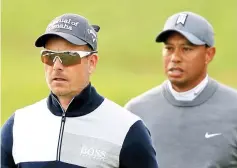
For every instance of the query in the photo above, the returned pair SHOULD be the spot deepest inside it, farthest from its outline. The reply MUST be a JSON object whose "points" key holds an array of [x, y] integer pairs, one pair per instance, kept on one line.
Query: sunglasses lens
{"points": [[67, 59], [48, 59]]}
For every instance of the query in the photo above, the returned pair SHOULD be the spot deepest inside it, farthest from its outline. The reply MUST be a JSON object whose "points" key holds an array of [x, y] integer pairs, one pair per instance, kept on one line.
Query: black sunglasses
{"points": [[67, 58]]}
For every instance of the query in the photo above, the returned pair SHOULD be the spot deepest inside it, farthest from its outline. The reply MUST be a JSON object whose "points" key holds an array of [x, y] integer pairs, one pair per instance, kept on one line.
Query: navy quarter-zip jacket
{"points": [[93, 132]]}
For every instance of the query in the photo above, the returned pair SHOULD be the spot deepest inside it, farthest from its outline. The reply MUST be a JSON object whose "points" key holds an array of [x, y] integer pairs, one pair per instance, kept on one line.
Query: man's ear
{"points": [[93, 59], [211, 51]]}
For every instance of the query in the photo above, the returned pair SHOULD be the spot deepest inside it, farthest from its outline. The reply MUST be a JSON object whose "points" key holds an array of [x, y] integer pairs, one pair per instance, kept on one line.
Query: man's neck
{"points": [[190, 94], [65, 101], [190, 85]]}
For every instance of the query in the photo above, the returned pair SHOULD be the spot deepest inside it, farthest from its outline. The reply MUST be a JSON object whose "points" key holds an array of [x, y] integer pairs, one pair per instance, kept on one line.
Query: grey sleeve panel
{"points": [[227, 156], [6, 144], [137, 150]]}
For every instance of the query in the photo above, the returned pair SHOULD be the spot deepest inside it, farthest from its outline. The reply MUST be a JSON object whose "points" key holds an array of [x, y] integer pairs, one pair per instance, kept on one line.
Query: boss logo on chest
{"points": [[93, 153]]}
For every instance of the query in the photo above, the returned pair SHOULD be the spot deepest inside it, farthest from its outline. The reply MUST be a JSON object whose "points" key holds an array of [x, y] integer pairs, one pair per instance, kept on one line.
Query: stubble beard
{"points": [[61, 92]]}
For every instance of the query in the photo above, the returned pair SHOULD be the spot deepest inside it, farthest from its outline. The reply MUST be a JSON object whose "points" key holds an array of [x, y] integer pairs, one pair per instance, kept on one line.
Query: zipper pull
{"points": [[64, 117]]}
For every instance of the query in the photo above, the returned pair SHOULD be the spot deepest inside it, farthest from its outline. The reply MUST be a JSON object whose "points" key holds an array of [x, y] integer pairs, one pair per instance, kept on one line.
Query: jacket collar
{"points": [[85, 102]]}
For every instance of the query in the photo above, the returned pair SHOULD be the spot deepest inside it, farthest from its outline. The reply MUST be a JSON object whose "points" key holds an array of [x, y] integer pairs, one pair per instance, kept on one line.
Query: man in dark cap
{"points": [[74, 126]]}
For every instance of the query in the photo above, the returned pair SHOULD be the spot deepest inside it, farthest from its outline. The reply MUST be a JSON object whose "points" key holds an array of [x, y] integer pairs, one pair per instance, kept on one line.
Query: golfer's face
{"points": [[184, 62], [67, 80]]}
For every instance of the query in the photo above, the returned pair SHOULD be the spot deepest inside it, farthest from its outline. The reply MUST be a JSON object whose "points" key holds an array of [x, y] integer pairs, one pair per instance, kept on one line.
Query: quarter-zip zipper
{"points": [[61, 135], [63, 120]]}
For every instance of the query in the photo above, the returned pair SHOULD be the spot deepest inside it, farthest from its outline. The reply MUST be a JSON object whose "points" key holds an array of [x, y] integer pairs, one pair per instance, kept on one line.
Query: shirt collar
{"points": [[85, 102]]}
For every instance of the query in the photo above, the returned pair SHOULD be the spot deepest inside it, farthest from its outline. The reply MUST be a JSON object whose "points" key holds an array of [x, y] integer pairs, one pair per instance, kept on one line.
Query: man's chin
{"points": [[59, 92], [177, 81]]}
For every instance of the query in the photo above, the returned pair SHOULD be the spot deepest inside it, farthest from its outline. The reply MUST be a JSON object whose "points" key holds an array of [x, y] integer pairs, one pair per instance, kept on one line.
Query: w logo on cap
{"points": [[182, 18]]}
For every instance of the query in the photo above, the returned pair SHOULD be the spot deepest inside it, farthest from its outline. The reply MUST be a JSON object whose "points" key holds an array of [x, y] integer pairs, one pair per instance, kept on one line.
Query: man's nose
{"points": [[57, 64], [176, 56]]}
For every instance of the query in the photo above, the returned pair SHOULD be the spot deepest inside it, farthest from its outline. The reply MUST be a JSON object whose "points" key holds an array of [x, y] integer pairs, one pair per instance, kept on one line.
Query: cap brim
{"points": [[40, 42], [191, 38]]}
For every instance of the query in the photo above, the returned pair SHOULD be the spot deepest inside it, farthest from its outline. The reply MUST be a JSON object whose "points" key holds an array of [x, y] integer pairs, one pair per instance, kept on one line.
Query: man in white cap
{"points": [[74, 127], [189, 114]]}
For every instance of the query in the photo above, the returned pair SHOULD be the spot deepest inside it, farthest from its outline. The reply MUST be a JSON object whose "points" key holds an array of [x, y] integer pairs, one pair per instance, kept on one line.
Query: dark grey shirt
{"points": [[186, 134]]}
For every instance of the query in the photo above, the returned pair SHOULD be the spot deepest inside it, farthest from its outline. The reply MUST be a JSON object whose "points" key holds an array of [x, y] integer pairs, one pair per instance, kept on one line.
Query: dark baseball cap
{"points": [[73, 28], [191, 25]]}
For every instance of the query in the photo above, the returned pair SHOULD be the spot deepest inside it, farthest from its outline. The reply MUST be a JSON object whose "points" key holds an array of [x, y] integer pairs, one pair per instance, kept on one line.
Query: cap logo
{"points": [[92, 33], [182, 18], [62, 24]]}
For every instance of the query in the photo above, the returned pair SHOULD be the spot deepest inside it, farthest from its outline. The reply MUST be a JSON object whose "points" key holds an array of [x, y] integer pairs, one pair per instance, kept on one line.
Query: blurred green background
{"points": [[130, 60]]}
